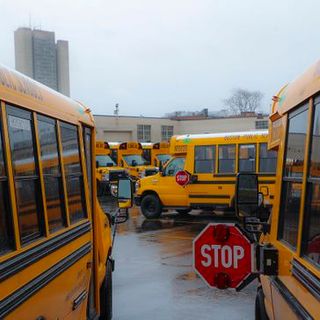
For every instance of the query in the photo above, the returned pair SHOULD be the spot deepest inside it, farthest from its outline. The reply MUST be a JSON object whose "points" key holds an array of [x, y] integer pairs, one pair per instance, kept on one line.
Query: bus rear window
{"points": [[268, 159]]}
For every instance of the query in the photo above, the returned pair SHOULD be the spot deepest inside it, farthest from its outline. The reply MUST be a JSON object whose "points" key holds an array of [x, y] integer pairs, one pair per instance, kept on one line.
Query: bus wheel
{"points": [[151, 206], [106, 295], [260, 310], [183, 212]]}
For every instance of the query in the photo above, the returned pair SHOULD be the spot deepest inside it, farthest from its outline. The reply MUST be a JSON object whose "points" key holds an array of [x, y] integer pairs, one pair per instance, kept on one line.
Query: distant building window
{"points": [[262, 124], [144, 133], [166, 133]]}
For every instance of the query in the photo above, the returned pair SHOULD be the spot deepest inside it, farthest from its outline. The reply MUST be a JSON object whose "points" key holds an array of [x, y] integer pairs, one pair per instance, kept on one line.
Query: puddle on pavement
{"points": [[189, 276]]}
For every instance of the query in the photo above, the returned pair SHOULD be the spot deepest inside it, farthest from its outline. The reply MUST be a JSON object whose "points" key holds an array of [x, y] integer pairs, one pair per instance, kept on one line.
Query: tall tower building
{"points": [[38, 56]]}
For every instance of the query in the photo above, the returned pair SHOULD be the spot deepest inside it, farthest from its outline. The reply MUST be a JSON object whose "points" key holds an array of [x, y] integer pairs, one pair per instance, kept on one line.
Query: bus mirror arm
{"points": [[266, 258], [121, 216], [193, 178], [247, 281], [255, 226]]}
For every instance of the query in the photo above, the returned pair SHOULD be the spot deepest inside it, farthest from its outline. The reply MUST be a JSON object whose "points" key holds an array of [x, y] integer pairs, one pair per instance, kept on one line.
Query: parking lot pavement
{"points": [[154, 278]]}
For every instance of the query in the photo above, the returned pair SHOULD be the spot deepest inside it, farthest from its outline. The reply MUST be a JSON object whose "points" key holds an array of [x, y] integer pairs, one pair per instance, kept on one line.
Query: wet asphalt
{"points": [[154, 278]]}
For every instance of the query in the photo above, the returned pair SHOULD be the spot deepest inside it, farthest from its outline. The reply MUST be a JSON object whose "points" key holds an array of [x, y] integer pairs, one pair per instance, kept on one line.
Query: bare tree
{"points": [[243, 100]]}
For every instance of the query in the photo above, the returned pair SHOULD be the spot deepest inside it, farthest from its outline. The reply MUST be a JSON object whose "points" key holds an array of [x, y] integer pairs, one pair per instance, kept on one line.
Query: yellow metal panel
{"points": [[13, 199]]}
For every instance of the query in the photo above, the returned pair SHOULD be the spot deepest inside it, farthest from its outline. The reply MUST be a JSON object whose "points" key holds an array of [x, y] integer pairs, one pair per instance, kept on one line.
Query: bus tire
{"points": [[151, 207], [183, 212], [106, 295], [260, 309]]}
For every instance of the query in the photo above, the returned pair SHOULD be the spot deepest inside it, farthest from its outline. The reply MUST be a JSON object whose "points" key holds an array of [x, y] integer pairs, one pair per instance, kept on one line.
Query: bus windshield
{"points": [[105, 161], [163, 158], [134, 160]]}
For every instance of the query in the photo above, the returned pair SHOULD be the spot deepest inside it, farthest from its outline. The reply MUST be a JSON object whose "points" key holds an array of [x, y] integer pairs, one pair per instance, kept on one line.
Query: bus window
{"points": [[174, 166], [247, 158], [5, 221], [268, 159], [51, 173], [292, 179], [146, 154], [27, 184], [114, 155], [73, 172], [311, 246], [204, 160], [296, 141], [227, 158]]}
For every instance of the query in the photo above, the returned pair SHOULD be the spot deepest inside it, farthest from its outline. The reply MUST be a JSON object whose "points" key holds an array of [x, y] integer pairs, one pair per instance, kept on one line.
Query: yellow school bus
{"points": [[212, 161], [146, 151], [129, 155], [107, 172], [55, 240], [292, 290], [160, 153]]}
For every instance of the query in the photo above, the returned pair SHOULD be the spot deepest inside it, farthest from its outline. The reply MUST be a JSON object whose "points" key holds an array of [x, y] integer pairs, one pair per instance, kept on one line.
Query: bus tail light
{"points": [[222, 280], [221, 233]]}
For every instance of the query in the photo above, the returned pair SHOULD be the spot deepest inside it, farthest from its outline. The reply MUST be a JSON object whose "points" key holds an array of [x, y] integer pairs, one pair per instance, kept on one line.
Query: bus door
{"points": [[172, 193], [296, 289], [214, 174]]}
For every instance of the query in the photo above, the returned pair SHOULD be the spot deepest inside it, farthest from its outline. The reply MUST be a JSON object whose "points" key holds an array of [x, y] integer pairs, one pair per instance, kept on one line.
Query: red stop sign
{"points": [[222, 255], [182, 178]]}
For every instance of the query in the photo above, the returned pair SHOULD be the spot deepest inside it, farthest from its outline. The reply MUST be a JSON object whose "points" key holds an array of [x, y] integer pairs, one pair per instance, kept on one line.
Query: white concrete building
{"points": [[38, 56], [154, 129]]}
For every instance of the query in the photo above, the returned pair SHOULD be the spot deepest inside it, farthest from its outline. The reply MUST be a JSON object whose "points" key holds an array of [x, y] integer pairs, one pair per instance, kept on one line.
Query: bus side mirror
{"points": [[247, 197], [110, 164], [160, 166], [125, 193], [97, 164], [133, 163]]}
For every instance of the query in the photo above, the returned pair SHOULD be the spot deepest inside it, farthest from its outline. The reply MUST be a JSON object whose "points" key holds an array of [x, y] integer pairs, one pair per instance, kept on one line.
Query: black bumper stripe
{"points": [[21, 295], [296, 306], [308, 279], [209, 196], [14, 265]]}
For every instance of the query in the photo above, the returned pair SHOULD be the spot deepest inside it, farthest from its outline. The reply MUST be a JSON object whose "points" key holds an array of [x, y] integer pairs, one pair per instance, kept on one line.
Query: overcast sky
{"points": [[154, 57]]}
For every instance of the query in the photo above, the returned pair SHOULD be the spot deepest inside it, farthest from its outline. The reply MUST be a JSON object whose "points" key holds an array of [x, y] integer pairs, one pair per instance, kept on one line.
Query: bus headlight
{"points": [[105, 177], [137, 186], [142, 174], [114, 190]]}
